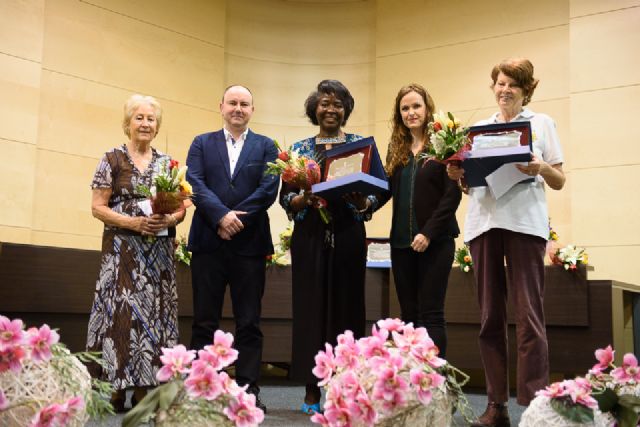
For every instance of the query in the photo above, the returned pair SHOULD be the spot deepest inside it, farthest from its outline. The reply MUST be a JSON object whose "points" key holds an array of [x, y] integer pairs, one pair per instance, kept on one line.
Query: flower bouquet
{"points": [[463, 258], [448, 139], [300, 171], [195, 393], [569, 257], [169, 188], [393, 377], [606, 396], [42, 383]]}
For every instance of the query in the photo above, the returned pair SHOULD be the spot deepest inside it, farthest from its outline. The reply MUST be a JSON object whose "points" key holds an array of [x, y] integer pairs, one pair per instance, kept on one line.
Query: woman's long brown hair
{"points": [[400, 142]]}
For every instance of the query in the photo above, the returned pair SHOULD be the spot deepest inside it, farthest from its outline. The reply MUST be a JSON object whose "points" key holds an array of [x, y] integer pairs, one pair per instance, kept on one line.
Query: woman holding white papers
{"points": [[513, 227], [135, 310], [424, 216]]}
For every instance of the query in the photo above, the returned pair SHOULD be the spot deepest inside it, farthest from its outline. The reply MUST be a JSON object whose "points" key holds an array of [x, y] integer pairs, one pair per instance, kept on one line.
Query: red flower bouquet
{"points": [[300, 171]]}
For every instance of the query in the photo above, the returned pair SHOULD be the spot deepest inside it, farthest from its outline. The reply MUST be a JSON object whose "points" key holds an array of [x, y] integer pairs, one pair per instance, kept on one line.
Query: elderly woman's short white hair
{"points": [[133, 104]]}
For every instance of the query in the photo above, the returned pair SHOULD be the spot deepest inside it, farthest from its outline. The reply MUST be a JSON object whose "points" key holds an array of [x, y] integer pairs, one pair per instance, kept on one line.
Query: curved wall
{"points": [[68, 65]]}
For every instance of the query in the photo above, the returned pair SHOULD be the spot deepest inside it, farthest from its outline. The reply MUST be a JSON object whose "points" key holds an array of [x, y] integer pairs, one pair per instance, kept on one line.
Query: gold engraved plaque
{"points": [[345, 166]]}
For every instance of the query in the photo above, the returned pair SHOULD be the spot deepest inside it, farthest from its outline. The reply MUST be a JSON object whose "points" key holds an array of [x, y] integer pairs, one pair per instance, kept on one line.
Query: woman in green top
{"points": [[423, 222]]}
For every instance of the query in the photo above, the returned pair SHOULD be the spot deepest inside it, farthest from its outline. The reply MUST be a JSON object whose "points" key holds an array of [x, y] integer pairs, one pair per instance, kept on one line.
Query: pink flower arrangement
{"points": [[198, 389], [383, 376], [606, 389], [56, 414], [27, 357]]}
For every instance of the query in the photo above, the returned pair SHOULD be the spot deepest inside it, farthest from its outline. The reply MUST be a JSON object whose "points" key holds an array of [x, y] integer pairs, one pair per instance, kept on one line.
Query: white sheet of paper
{"points": [[506, 176], [145, 207]]}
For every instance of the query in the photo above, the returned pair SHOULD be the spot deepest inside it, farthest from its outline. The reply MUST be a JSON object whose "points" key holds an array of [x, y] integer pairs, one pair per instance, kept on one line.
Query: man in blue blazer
{"points": [[230, 235]]}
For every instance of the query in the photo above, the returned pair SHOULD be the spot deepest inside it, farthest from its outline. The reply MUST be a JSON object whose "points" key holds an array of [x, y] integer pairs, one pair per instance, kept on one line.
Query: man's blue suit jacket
{"points": [[216, 192]]}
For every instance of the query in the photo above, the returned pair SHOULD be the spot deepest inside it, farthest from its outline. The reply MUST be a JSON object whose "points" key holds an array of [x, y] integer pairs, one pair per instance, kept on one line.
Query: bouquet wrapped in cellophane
{"points": [[300, 171], [169, 188], [448, 139]]}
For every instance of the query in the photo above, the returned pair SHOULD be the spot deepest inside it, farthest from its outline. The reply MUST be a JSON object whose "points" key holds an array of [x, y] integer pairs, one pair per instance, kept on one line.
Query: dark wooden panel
{"points": [[46, 279], [563, 289]]}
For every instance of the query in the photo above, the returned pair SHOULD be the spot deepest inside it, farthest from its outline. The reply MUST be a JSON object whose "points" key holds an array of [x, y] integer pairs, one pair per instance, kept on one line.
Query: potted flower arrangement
{"points": [[196, 392], [300, 171], [281, 255], [608, 395], [42, 383], [392, 377], [169, 188], [570, 257], [463, 258], [448, 139]]}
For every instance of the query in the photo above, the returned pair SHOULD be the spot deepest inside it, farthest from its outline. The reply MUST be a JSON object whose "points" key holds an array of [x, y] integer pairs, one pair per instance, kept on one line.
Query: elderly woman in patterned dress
{"points": [[135, 310]]}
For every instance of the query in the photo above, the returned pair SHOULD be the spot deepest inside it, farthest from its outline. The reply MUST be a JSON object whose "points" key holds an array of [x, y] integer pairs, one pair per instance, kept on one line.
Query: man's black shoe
{"points": [[255, 390]]}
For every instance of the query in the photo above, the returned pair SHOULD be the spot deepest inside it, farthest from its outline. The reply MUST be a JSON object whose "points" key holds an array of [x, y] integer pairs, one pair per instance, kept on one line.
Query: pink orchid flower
{"points": [[229, 385], [604, 357], [398, 400], [69, 410], [175, 361], [325, 364], [350, 385], [428, 353], [48, 416], [424, 382], [387, 384], [40, 341], [381, 334], [11, 333], [243, 412], [554, 390], [12, 358], [319, 418], [580, 392], [206, 384], [221, 353], [410, 337], [628, 371], [373, 346], [391, 325], [338, 417], [363, 410]]}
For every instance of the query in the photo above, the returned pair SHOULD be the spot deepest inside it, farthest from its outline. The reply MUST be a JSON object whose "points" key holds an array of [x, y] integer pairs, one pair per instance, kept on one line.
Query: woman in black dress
{"points": [[328, 260], [423, 222]]}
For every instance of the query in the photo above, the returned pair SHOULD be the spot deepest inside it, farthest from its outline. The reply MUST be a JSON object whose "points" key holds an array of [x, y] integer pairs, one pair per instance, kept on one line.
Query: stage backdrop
{"points": [[68, 65]]}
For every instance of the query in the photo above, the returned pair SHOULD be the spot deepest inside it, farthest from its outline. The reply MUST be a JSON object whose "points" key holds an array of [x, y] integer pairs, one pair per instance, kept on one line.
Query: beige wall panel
{"points": [[405, 26], [589, 7], [103, 46], [302, 33], [605, 205], [15, 235], [62, 204], [21, 28], [200, 19], [84, 118], [595, 144], [459, 77], [79, 116], [19, 99], [16, 183], [616, 34], [280, 89], [615, 262], [64, 240]]}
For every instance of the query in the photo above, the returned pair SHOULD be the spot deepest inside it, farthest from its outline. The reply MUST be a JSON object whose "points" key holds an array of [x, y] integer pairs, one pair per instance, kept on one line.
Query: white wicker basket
{"points": [[42, 384]]}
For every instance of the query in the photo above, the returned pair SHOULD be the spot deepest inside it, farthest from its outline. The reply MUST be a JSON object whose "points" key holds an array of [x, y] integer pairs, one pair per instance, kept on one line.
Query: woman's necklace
{"points": [[329, 141]]}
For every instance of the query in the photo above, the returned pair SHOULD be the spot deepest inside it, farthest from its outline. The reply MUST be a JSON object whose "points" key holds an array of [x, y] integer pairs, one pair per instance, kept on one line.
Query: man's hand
{"points": [[223, 234], [231, 224]]}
